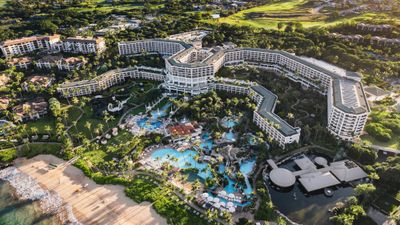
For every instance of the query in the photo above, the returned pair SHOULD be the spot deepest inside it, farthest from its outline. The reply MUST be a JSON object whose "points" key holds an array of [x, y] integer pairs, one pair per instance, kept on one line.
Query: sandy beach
{"points": [[91, 203]]}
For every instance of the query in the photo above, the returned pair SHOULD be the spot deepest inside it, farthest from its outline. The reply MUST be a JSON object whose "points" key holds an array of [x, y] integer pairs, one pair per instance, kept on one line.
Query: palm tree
{"points": [[34, 130], [48, 129], [74, 123], [100, 127], [88, 125], [106, 118], [196, 185], [21, 129]]}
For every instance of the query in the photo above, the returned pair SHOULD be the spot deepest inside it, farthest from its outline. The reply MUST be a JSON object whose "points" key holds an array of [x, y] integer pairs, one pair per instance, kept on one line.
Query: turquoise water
{"points": [[231, 186], [230, 136], [251, 139], [149, 124], [206, 142], [229, 123], [153, 122], [246, 168], [18, 212], [161, 112], [184, 160]]}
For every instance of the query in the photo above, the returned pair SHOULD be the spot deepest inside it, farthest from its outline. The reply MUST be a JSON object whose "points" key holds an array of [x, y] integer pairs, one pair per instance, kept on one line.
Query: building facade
{"points": [[192, 70], [83, 45], [26, 45], [109, 79]]}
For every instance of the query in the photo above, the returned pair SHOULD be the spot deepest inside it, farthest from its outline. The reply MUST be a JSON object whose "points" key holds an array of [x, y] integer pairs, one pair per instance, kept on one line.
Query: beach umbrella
{"points": [[222, 192], [217, 199], [231, 195], [231, 210], [205, 195], [209, 199], [217, 205], [229, 204]]}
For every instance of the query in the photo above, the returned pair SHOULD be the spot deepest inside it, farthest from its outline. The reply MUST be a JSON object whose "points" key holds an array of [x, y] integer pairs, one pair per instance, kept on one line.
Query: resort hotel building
{"points": [[52, 43], [28, 44], [191, 69]]}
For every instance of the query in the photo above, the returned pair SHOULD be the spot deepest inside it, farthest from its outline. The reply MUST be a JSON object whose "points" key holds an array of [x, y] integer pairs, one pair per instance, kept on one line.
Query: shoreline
{"points": [[27, 188], [91, 203]]}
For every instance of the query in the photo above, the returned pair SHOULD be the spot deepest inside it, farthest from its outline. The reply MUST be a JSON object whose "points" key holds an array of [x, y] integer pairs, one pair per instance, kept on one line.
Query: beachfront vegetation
{"points": [[165, 201]]}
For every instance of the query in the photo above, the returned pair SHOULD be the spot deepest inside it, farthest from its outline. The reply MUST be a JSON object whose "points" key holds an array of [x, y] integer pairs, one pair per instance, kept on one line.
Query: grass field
{"points": [[394, 143], [102, 5], [2, 3], [301, 7]]}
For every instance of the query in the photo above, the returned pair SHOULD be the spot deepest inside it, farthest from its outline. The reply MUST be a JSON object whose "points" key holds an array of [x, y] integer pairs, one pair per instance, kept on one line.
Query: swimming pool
{"points": [[160, 112], [252, 140], [229, 123], [246, 168], [184, 160], [148, 124], [230, 136], [206, 142]]}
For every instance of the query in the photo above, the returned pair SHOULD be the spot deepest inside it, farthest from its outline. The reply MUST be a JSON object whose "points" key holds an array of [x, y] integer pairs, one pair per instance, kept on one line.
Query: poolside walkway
{"points": [[91, 203]]}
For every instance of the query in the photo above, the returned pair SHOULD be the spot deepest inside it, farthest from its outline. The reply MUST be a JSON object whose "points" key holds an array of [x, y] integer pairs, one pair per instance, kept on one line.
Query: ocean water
{"points": [[19, 212]]}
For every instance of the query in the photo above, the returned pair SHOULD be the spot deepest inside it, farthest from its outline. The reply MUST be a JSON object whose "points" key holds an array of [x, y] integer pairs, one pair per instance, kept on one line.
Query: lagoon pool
{"points": [[230, 136], [149, 124], [246, 168], [182, 160], [206, 142], [160, 112], [229, 123]]}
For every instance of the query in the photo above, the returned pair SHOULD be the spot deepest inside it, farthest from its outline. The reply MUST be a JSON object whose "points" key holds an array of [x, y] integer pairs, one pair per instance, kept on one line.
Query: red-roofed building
{"points": [[4, 102], [31, 110], [28, 44], [182, 129], [20, 63]]}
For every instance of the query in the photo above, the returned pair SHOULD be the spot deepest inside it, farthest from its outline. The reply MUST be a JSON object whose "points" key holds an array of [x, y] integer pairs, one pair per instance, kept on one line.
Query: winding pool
{"points": [[230, 136], [161, 112], [148, 124], [184, 160], [229, 123]]}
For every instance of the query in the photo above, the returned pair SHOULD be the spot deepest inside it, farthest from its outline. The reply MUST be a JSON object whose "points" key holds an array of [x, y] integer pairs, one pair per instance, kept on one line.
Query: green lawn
{"points": [[294, 7], [41, 124], [2, 3], [394, 143], [88, 117]]}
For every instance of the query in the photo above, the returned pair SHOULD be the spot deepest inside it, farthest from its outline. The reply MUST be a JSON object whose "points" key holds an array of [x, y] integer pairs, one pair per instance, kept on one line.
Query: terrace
{"points": [[299, 183]]}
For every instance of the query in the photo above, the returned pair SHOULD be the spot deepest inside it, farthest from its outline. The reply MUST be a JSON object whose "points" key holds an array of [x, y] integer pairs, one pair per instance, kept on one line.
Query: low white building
{"points": [[47, 62], [83, 45], [70, 63], [20, 63]]}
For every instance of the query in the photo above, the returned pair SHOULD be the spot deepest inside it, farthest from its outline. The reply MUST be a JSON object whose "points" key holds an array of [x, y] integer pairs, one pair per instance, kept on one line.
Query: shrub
{"points": [[8, 155], [361, 154], [379, 132]]}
